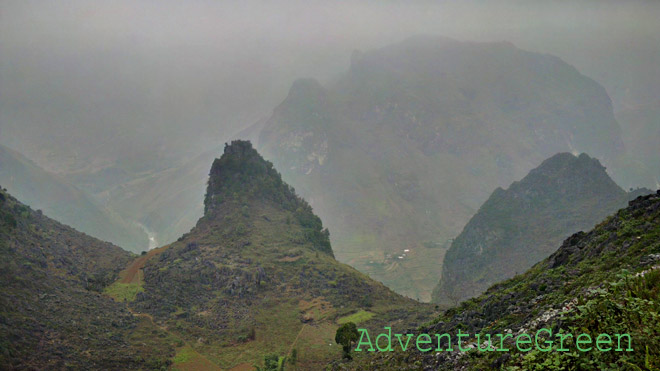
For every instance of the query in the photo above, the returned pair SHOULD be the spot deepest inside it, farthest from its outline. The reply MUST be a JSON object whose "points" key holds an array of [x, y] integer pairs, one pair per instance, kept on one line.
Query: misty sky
{"points": [[90, 83]]}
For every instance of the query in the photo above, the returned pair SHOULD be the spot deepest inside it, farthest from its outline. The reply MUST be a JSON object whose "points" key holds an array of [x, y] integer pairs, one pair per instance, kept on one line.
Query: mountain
{"points": [[398, 153], [63, 201], [256, 276], [52, 312], [520, 226], [605, 281]]}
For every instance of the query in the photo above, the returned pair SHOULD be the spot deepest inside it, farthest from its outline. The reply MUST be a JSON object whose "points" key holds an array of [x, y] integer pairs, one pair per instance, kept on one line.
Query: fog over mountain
{"points": [[275, 178], [398, 153], [136, 86], [123, 97], [55, 196]]}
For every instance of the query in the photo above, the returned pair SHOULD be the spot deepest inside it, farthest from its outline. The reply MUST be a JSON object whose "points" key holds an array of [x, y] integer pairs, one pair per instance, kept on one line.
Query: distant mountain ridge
{"points": [[167, 202], [63, 201], [400, 151], [518, 227]]}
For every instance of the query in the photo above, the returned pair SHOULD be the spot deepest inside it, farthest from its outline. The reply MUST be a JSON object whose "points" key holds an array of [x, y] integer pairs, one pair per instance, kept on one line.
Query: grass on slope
{"points": [[604, 281], [279, 331], [358, 317], [188, 358], [123, 291], [131, 279]]}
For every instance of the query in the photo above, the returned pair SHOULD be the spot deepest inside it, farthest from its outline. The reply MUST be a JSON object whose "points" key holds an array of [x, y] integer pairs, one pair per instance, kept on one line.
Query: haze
{"points": [[149, 83], [125, 104]]}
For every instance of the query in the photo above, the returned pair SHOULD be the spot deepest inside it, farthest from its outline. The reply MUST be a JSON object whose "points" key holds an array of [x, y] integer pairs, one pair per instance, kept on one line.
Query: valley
{"points": [[329, 185]]}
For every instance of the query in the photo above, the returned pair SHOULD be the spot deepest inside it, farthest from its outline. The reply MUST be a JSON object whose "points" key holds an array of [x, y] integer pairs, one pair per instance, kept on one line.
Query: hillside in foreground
{"points": [[606, 280], [53, 314]]}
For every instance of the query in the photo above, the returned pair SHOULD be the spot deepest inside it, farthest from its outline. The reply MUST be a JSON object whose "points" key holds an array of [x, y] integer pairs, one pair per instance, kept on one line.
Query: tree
{"points": [[347, 335]]}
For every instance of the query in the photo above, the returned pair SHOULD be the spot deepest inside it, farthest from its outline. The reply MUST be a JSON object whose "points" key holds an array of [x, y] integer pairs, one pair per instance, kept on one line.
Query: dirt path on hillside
{"points": [[296, 340], [131, 274]]}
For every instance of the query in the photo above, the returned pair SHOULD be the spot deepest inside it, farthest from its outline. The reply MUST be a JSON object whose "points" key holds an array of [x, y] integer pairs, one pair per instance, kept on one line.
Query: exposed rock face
{"points": [[520, 226]]}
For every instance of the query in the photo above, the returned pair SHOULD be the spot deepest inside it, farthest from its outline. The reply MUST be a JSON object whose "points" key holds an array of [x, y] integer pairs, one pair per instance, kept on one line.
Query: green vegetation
{"points": [[604, 281], [253, 179], [357, 317], [51, 278], [293, 358], [273, 362], [257, 276], [123, 291], [518, 227], [346, 336], [627, 306], [183, 355]]}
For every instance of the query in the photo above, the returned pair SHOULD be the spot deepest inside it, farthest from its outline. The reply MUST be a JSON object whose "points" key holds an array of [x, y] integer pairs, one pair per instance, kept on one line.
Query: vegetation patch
{"points": [[124, 291], [184, 355], [357, 317], [317, 309], [188, 358], [606, 281]]}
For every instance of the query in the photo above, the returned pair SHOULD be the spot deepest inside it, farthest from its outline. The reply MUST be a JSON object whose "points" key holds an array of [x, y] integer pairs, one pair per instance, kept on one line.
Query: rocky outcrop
{"points": [[520, 226]]}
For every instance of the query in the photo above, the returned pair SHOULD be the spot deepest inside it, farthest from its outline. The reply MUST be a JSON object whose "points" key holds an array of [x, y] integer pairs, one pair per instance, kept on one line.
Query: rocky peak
{"points": [[522, 225], [301, 88], [306, 93], [242, 174], [241, 180], [569, 176], [563, 161]]}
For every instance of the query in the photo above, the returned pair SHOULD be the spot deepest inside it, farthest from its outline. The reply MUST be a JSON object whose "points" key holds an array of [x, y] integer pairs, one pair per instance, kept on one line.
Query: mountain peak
{"points": [[518, 227], [565, 160], [567, 175], [242, 180], [305, 94], [241, 172]]}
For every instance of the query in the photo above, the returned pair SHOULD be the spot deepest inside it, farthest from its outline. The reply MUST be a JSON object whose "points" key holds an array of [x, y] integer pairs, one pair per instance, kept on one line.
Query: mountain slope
{"points": [[399, 152], [257, 275], [604, 281], [520, 226], [52, 315], [63, 201]]}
